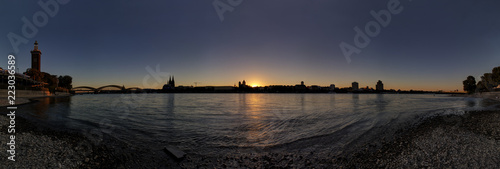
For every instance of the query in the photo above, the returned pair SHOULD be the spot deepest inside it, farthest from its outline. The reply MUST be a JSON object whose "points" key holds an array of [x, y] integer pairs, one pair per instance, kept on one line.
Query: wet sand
{"points": [[471, 140]]}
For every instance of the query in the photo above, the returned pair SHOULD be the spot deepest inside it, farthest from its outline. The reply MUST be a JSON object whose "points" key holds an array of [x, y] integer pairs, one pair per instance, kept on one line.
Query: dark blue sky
{"points": [[429, 45]]}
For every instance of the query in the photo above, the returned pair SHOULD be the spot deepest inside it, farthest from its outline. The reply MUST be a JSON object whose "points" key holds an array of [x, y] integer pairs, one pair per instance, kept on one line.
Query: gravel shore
{"points": [[39, 147], [19, 101], [471, 140]]}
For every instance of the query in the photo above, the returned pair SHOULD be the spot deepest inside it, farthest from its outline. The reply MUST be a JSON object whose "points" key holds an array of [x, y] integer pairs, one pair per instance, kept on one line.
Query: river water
{"points": [[209, 123]]}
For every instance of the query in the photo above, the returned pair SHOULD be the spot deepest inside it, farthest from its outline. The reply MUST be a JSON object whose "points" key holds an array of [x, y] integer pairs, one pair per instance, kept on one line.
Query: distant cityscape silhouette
{"points": [[242, 87], [33, 78]]}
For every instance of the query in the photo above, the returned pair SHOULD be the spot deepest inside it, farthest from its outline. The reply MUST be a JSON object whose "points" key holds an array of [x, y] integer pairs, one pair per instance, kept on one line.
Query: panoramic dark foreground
{"points": [[471, 140]]}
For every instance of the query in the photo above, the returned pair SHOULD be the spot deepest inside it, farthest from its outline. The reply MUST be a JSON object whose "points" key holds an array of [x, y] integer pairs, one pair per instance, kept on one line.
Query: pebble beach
{"points": [[471, 140]]}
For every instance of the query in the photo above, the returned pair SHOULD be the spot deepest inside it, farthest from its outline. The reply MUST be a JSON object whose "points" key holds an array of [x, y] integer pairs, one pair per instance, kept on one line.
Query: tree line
{"points": [[487, 83], [52, 82]]}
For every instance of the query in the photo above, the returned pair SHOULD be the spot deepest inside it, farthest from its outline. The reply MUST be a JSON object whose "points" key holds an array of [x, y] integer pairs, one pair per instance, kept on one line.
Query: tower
{"points": [[380, 86], [36, 57], [173, 82], [170, 83], [355, 86]]}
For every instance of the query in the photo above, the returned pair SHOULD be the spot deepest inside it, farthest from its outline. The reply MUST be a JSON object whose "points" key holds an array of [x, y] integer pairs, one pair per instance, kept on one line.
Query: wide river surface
{"points": [[208, 123]]}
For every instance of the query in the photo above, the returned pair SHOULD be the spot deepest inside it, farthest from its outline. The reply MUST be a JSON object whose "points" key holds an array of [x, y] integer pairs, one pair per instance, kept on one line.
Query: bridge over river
{"points": [[105, 89]]}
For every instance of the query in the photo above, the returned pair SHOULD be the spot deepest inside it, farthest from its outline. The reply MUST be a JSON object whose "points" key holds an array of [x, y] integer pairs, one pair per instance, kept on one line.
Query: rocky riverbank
{"points": [[471, 140], [39, 147], [19, 101]]}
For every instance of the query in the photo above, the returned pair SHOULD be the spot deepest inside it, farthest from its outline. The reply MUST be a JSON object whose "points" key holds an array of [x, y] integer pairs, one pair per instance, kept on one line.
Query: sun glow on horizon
{"points": [[254, 84]]}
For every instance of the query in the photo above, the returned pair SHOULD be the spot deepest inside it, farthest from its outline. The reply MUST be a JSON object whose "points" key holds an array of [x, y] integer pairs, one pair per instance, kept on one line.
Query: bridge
{"points": [[117, 89]]}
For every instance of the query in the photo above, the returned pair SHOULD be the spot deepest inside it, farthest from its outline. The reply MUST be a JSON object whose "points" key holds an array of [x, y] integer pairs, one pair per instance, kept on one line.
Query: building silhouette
{"points": [[355, 86], [332, 87], [36, 58], [242, 85], [302, 87], [380, 86], [170, 83]]}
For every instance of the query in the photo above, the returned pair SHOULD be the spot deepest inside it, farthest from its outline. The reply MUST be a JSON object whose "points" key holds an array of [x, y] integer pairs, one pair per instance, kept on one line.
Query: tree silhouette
{"points": [[488, 81], [65, 82], [51, 81], [481, 87], [470, 84], [35, 74], [496, 75]]}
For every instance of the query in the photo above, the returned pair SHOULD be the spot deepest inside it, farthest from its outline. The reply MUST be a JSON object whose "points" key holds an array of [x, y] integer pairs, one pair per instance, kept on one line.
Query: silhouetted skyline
{"points": [[429, 45]]}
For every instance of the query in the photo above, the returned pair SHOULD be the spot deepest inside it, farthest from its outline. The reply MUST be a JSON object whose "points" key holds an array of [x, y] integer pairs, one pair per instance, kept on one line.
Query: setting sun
{"points": [[254, 84]]}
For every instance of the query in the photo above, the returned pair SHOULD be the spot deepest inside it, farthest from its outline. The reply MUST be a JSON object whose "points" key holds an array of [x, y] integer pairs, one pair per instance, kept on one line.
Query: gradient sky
{"points": [[430, 45]]}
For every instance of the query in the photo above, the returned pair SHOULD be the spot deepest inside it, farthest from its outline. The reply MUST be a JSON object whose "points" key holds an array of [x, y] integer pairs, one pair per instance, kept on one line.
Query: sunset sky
{"points": [[429, 45]]}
